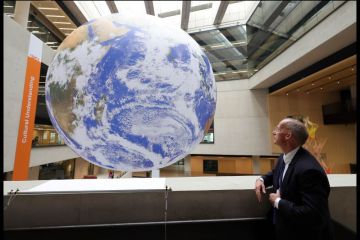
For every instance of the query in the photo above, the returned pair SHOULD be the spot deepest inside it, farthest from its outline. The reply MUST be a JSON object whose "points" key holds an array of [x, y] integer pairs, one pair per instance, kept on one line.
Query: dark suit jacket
{"points": [[303, 209]]}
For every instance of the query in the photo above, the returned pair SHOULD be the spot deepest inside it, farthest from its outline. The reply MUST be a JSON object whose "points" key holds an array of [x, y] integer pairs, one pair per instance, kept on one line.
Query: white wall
{"points": [[16, 46], [241, 121]]}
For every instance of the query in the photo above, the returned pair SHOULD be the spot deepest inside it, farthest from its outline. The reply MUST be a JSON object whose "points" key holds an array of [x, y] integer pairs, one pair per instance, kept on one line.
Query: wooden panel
{"points": [[227, 166], [244, 166]]}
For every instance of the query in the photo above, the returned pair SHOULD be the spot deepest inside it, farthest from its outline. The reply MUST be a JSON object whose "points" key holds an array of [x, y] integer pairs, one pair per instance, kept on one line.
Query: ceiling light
{"points": [[287, 94], [307, 92], [240, 71], [338, 82], [47, 8], [239, 43], [67, 23], [59, 16], [321, 88], [312, 84], [217, 45], [329, 77], [37, 32], [352, 68]]}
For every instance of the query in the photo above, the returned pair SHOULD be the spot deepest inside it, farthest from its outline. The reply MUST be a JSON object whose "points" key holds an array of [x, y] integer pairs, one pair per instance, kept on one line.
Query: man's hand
{"points": [[273, 197], [259, 189]]}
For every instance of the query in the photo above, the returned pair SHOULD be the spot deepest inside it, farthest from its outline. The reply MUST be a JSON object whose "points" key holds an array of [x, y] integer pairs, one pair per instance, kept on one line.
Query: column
{"points": [[21, 14], [187, 165], [256, 164], [155, 173]]}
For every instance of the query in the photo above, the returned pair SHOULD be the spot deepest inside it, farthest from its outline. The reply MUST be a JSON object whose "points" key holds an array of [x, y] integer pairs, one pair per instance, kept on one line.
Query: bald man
{"points": [[300, 187]]}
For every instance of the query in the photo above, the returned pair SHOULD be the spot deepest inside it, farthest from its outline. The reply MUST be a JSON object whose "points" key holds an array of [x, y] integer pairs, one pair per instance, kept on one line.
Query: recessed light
{"points": [[338, 82], [48, 8], [65, 23], [55, 16], [312, 84], [352, 69], [329, 77], [321, 88], [287, 94], [67, 28]]}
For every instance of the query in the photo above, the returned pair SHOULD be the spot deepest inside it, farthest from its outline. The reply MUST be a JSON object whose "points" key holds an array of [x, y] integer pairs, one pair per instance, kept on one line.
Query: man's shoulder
{"points": [[307, 161]]}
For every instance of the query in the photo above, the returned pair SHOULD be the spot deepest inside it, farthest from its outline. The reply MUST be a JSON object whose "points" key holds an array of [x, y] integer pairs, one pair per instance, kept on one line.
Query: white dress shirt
{"points": [[287, 159]]}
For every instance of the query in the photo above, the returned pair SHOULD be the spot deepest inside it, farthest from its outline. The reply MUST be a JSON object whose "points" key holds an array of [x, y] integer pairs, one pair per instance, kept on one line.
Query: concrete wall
{"points": [[16, 44], [190, 198], [241, 122]]}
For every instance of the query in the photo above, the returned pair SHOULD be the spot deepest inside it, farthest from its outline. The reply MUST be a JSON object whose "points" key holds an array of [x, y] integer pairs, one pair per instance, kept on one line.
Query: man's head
{"points": [[289, 134]]}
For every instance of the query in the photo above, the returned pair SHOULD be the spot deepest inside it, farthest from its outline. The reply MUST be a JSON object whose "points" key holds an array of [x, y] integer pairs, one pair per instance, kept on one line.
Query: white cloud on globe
{"points": [[130, 93]]}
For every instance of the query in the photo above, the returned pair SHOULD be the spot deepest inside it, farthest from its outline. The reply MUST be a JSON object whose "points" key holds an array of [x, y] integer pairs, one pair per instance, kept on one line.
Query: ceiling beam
{"points": [[112, 6], [274, 14], [221, 12], [73, 12], [149, 6], [185, 14], [47, 23]]}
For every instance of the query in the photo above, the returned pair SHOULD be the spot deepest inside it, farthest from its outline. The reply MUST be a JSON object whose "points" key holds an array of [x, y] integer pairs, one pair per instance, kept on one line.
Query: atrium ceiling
{"points": [[239, 37]]}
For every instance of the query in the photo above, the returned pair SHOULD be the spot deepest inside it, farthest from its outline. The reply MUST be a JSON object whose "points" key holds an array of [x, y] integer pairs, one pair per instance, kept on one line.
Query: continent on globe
{"points": [[130, 93]]}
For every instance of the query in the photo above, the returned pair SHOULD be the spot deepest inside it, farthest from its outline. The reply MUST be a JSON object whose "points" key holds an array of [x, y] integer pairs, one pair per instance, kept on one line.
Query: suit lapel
{"points": [[278, 168], [290, 169]]}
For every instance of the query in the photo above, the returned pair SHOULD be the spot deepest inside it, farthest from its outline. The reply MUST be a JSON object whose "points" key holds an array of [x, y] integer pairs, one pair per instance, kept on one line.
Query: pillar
{"points": [[21, 14]]}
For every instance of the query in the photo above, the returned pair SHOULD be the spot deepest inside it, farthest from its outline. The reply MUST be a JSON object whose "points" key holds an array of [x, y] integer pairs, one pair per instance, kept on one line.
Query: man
{"points": [[302, 188]]}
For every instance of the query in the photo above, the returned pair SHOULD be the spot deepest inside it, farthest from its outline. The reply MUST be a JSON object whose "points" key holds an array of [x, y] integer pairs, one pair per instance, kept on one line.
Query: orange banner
{"points": [[27, 119]]}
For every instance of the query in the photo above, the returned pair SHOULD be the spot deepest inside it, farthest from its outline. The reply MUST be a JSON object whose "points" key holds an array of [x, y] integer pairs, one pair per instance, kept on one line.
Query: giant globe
{"points": [[130, 93]]}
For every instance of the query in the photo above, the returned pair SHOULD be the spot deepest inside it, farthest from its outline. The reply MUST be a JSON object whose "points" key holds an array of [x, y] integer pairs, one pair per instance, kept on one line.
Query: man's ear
{"points": [[288, 135]]}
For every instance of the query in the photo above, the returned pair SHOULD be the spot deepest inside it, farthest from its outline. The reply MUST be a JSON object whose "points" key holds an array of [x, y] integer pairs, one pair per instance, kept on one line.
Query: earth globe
{"points": [[130, 93]]}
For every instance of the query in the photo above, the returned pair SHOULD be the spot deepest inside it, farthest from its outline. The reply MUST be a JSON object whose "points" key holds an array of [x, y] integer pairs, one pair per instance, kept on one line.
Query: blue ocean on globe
{"points": [[130, 93]]}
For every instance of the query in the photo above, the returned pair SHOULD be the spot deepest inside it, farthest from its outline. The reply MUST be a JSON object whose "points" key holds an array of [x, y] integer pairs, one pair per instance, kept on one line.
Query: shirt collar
{"points": [[290, 155]]}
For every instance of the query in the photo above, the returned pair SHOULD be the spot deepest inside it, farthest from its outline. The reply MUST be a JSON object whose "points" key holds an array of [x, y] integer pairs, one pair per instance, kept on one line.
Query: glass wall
{"points": [[238, 52]]}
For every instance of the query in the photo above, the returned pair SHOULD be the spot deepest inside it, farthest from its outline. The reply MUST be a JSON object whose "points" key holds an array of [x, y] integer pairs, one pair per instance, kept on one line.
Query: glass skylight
{"points": [[93, 9], [135, 7]]}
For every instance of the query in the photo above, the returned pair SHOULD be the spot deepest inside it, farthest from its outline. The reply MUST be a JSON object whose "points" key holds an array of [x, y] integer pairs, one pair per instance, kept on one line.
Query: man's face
{"points": [[280, 134]]}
